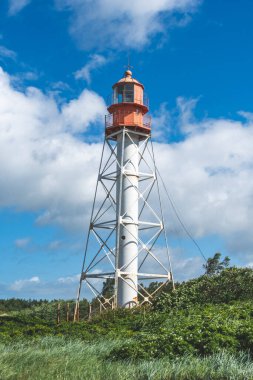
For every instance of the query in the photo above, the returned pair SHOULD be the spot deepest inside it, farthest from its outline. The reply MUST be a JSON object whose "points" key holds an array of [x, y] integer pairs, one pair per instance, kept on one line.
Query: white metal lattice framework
{"points": [[109, 223]]}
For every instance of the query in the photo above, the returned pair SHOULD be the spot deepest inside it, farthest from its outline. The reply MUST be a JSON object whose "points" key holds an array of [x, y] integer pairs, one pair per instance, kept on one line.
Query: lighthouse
{"points": [[127, 221]]}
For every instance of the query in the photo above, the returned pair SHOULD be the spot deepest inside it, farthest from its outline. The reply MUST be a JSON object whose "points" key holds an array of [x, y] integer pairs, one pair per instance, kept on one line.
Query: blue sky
{"points": [[58, 60]]}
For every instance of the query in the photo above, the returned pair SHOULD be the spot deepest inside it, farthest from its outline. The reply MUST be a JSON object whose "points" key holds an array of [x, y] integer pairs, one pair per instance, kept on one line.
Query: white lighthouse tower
{"points": [[126, 239]]}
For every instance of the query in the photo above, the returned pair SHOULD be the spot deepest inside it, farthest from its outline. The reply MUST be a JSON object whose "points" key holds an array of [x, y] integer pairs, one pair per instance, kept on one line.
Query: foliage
{"points": [[46, 310], [231, 284], [19, 304], [197, 331], [108, 288], [202, 317], [148, 334], [214, 265]]}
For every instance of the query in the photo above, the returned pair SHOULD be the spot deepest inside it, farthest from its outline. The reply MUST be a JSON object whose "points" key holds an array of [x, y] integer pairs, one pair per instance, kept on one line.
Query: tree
{"points": [[108, 288], [214, 265]]}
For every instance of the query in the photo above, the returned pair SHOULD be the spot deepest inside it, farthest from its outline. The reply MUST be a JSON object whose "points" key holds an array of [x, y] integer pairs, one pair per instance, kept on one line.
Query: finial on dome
{"points": [[128, 73]]}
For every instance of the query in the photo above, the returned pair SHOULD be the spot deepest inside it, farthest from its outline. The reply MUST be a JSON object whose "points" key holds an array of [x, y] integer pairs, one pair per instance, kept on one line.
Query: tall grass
{"points": [[58, 358]]}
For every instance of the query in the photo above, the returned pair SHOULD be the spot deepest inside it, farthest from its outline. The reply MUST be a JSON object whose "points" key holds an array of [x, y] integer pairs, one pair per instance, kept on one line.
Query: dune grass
{"points": [[72, 359]]}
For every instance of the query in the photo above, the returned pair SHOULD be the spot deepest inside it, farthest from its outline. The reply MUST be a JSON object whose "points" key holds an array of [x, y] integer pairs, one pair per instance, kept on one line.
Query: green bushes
{"points": [[16, 304], [231, 284], [198, 331], [202, 317]]}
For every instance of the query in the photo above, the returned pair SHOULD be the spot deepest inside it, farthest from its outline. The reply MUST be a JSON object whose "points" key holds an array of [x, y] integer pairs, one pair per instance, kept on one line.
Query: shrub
{"points": [[231, 284]]}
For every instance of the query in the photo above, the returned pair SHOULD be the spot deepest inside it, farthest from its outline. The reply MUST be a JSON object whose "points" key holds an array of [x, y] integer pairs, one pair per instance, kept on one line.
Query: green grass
{"points": [[71, 359], [198, 330], [203, 330]]}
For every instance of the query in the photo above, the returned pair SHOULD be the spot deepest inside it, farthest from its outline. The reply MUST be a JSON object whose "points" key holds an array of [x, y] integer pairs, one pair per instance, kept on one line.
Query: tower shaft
{"points": [[127, 219]]}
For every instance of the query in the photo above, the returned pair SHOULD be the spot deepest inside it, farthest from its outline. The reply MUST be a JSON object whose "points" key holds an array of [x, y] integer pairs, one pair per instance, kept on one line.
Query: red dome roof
{"points": [[128, 79]]}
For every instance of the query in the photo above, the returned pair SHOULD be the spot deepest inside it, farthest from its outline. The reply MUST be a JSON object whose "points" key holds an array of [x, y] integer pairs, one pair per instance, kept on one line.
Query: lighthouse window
{"points": [[124, 93], [129, 93], [118, 94]]}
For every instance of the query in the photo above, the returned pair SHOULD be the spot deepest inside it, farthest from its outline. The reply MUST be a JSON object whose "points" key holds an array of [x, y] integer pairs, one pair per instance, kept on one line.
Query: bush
{"points": [[231, 284], [198, 330], [202, 317]]}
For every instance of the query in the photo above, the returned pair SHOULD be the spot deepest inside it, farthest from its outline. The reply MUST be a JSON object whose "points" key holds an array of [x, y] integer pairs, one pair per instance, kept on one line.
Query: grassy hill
{"points": [[202, 330]]}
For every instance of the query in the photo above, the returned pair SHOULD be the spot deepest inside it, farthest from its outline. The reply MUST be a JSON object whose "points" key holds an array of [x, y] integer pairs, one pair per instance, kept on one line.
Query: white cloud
{"points": [[180, 120], [46, 168], [96, 61], [184, 268], [16, 6], [69, 279], [186, 120], [161, 123], [209, 177], [246, 115], [79, 113], [35, 287], [60, 86], [7, 53], [54, 245], [26, 284], [22, 243], [43, 166], [105, 24], [19, 78]]}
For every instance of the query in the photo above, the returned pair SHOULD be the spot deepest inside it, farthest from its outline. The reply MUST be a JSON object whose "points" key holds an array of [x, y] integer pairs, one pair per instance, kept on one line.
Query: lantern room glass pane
{"points": [[128, 95], [124, 93]]}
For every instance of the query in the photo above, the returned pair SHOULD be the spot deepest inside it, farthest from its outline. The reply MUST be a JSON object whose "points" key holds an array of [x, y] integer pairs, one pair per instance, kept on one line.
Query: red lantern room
{"points": [[128, 107]]}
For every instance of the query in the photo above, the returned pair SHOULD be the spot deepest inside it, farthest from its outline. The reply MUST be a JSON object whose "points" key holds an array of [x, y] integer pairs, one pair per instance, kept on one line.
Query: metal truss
{"points": [[102, 245]]}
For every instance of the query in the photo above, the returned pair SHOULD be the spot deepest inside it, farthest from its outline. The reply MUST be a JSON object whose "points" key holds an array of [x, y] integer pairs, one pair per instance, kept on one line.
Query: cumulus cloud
{"points": [[79, 113], [124, 24], [208, 175], [69, 279], [161, 123], [46, 167], [38, 288], [43, 165], [96, 61], [246, 115], [16, 6], [186, 267], [185, 118], [25, 284]]}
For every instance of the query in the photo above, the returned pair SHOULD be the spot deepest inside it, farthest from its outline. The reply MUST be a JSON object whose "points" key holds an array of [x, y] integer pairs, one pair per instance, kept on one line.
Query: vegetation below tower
{"points": [[209, 318]]}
